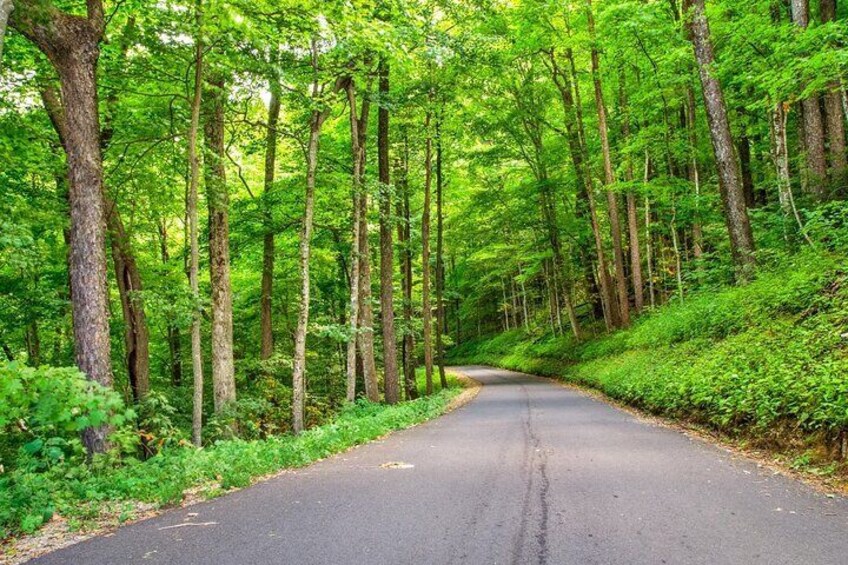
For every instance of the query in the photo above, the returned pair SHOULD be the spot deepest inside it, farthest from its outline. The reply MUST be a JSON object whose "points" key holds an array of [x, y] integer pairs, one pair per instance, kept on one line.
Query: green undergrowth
{"points": [[87, 493], [767, 361]]}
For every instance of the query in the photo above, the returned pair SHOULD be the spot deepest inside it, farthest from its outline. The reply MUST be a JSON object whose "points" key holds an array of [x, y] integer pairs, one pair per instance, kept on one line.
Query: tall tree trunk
{"points": [[193, 228], [812, 122], [440, 263], [316, 120], [387, 314], [834, 115], [404, 239], [609, 179], [128, 278], [744, 149], [693, 171], [72, 44], [217, 199], [33, 344], [266, 348], [299, 364], [361, 296], [173, 337], [578, 157], [780, 155], [632, 220], [353, 315], [733, 198], [426, 311]]}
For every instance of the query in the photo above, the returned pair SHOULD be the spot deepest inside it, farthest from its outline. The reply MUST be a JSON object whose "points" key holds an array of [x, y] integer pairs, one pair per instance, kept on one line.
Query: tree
{"points": [[609, 179], [390, 370], [193, 229], [266, 325], [440, 260], [6, 7], [317, 117], [733, 197], [217, 199], [813, 126], [72, 45], [426, 308]]}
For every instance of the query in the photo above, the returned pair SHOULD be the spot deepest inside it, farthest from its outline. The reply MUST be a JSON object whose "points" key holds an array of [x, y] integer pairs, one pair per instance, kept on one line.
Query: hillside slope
{"points": [[767, 361]]}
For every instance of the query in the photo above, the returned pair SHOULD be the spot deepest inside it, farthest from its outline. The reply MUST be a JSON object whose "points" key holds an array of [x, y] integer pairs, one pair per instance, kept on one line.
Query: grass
{"points": [[766, 361], [85, 494]]}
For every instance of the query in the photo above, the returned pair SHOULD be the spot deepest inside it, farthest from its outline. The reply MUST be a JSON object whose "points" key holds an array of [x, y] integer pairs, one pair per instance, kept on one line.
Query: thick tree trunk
{"points": [[812, 122], [609, 179], [834, 115], [217, 198], [426, 311], [193, 228], [128, 278], [77, 74], [733, 199], [72, 44], [440, 263], [390, 374], [266, 348], [404, 233]]}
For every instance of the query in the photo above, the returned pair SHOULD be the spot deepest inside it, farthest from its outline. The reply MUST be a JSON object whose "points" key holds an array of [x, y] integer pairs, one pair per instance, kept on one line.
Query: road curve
{"points": [[529, 472]]}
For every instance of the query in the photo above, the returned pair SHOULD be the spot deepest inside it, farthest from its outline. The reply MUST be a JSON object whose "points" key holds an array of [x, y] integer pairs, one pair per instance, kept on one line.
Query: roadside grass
{"points": [[108, 490], [766, 363]]}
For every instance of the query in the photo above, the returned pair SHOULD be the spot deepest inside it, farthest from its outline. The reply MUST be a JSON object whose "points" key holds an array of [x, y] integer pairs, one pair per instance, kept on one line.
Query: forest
{"points": [[238, 236]]}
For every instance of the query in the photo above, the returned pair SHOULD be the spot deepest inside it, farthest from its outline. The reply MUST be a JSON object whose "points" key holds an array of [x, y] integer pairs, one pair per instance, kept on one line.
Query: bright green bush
{"points": [[74, 490]]}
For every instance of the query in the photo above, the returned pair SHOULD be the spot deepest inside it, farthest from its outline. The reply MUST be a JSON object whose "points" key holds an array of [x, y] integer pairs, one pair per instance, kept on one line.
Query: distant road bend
{"points": [[528, 473]]}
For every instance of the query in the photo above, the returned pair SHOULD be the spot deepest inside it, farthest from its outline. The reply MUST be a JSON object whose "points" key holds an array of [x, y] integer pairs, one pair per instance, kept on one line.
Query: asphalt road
{"points": [[529, 472]]}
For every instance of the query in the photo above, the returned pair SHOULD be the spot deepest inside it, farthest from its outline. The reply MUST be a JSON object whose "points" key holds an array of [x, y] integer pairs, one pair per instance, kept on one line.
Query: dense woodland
{"points": [[238, 217]]}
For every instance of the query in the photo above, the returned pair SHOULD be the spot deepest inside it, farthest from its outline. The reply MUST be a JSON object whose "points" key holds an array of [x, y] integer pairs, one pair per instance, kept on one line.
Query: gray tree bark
{"points": [[218, 199], [316, 120], [404, 229], [812, 121], [390, 371], [730, 184], [833, 114], [426, 307], [609, 179]]}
